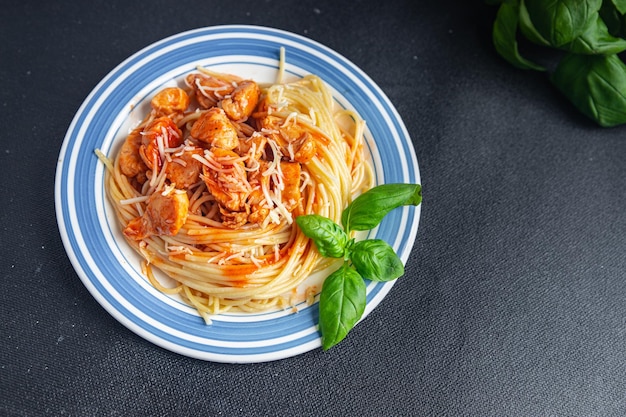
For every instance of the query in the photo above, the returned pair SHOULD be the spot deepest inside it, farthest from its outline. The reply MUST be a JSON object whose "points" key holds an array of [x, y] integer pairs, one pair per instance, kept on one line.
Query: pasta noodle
{"points": [[207, 187]]}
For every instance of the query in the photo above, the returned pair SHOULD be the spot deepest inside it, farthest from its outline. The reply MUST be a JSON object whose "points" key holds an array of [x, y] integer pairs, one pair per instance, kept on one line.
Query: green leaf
{"points": [[562, 21], [368, 209], [620, 5], [342, 302], [376, 260], [611, 17], [597, 40], [504, 37], [596, 85], [528, 29], [330, 239]]}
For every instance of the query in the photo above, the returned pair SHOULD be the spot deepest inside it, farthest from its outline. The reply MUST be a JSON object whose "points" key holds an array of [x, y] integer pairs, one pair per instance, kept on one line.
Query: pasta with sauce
{"points": [[207, 187]]}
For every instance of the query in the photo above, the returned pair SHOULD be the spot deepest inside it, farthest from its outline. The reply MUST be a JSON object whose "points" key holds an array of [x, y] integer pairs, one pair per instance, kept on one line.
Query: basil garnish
{"points": [[342, 302], [368, 209], [329, 238], [343, 296], [376, 260]]}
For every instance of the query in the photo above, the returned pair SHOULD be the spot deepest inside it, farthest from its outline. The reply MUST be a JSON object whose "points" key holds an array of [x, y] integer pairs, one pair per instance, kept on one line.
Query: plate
{"points": [[110, 269]]}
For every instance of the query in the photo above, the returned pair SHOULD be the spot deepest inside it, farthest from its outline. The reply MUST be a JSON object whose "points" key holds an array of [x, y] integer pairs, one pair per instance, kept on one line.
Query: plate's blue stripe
{"points": [[109, 99]]}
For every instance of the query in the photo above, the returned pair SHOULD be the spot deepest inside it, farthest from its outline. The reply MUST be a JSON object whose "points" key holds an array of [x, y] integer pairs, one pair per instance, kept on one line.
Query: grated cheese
{"points": [[292, 118], [168, 189], [128, 201], [305, 180], [179, 161], [290, 151], [161, 145]]}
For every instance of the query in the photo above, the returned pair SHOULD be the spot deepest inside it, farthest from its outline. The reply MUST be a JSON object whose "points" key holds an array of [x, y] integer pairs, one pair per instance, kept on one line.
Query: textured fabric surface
{"points": [[514, 299]]}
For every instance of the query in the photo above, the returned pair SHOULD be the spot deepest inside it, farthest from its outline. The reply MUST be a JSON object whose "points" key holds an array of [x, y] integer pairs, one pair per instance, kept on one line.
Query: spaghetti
{"points": [[207, 187]]}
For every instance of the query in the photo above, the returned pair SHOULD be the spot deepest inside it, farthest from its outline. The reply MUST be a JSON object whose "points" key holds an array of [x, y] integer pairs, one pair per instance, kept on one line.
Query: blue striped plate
{"points": [[110, 269]]}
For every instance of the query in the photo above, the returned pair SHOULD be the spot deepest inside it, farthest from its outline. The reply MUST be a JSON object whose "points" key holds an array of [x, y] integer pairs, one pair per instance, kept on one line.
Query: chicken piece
{"points": [[208, 90], [293, 139], [228, 184], [256, 200], [291, 180], [259, 207], [130, 161], [161, 132], [164, 216], [170, 100], [252, 146], [258, 182], [306, 149], [233, 219], [215, 129], [184, 170], [242, 100], [282, 132], [258, 215]]}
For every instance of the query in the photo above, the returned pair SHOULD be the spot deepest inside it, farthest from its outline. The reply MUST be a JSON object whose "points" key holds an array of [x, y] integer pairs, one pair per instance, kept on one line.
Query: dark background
{"points": [[514, 299]]}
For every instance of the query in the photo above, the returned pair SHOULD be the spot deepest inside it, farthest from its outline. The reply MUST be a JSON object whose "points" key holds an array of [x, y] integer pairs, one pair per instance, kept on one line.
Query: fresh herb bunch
{"points": [[343, 298], [586, 36]]}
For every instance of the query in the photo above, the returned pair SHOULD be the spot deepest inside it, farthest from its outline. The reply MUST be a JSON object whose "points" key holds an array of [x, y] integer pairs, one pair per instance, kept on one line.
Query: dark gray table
{"points": [[514, 299]]}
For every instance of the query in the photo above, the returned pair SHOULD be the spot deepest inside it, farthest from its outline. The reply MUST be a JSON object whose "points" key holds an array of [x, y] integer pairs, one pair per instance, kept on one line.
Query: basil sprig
{"points": [[343, 296], [368, 209], [586, 37], [342, 302]]}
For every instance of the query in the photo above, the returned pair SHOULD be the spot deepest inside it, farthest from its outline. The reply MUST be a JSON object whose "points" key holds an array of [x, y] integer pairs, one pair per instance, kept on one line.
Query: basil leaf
{"points": [[595, 84], [528, 29], [620, 5], [504, 37], [612, 18], [562, 21], [376, 260], [368, 209], [330, 239], [597, 40], [342, 302]]}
